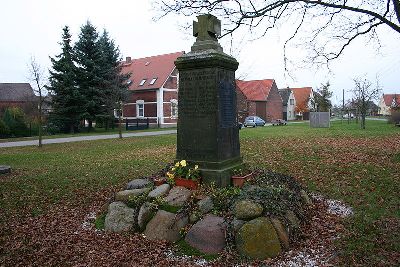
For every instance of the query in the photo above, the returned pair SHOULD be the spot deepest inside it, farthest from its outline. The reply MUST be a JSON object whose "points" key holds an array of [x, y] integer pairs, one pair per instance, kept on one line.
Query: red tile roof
{"points": [[301, 94], [148, 68], [255, 90], [388, 98]]}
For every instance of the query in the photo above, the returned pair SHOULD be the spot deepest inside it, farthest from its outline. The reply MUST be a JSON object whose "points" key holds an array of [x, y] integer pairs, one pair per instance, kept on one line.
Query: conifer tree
{"points": [[114, 82], [89, 75], [67, 101]]}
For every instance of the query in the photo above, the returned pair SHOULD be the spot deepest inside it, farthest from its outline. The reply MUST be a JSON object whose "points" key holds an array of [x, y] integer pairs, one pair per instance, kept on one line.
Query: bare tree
{"points": [[364, 91], [37, 77], [324, 27]]}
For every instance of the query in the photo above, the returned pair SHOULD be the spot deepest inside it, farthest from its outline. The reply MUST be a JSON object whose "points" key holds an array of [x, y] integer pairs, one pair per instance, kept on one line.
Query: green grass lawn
{"points": [[359, 167]]}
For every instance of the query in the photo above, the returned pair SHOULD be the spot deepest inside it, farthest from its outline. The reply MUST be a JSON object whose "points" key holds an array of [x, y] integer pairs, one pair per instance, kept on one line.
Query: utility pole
{"points": [[342, 107]]}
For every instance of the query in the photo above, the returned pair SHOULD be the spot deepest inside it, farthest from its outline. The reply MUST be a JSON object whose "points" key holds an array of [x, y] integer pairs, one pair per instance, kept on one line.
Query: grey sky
{"points": [[35, 27]]}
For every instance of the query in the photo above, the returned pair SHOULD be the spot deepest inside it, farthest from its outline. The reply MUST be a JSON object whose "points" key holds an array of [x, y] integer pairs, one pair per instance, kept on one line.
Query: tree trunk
{"points": [[120, 122], [90, 124], [40, 119], [363, 121]]}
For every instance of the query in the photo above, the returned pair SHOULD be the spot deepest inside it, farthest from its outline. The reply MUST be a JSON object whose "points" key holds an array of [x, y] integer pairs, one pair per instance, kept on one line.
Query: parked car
{"points": [[279, 122], [253, 121]]}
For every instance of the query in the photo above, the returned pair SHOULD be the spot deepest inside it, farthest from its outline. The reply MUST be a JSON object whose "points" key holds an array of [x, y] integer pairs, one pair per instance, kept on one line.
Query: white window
{"points": [[129, 82], [153, 81], [174, 108], [142, 82], [291, 101], [140, 108], [290, 114]]}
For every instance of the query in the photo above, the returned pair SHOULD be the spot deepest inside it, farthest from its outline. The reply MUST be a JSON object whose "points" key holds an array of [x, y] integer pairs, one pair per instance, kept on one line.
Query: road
{"points": [[83, 138]]}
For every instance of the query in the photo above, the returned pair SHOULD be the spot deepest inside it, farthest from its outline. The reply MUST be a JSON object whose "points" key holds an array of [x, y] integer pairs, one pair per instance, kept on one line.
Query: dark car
{"points": [[253, 121], [279, 122]]}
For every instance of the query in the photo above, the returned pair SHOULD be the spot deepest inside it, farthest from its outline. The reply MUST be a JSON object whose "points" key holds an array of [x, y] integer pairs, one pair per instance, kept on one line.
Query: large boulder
{"points": [[205, 205], [126, 195], [139, 183], [247, 210], [159, 191], [120, 218], [257, 239], [208, 235], [165, 226], [178, 196], [293, 220], [146, 212]]}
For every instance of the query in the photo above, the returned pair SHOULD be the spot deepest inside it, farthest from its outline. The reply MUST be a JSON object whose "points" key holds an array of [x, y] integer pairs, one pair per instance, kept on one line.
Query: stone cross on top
{"points": [[208, 27]]}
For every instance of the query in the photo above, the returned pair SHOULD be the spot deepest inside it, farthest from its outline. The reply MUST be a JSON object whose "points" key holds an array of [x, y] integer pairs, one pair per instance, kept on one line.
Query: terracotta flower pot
{"points": [[238, 181], [190, 184]]}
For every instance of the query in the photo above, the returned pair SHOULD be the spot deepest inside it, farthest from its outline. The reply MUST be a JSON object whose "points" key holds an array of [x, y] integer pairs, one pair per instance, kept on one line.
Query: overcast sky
{"points": [[35, 28]]}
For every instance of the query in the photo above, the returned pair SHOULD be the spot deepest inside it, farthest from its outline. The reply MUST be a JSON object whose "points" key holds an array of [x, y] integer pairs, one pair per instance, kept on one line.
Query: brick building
{"points": [[153, 88], [301, 104], [18, 95], [387, 103], [260, 98]]}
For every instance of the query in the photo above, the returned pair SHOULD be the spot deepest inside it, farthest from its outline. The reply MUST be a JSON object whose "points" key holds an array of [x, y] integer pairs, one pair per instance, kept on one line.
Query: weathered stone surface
{"points": [[292, 218], [165, 226], [281, 231], [257, 239], [194, 217], [177, 196], [138, 183], [5, 169], [305, 198], [125, 195], [159, 191], [246, 210], [120, 218], [146, 212], [208, 235], [237, 224], [205, 205]]}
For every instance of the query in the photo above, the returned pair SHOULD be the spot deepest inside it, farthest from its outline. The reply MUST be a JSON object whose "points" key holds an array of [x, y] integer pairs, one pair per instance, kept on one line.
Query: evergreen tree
{"points": [[114, 84], [89, 74], [67, 101]]}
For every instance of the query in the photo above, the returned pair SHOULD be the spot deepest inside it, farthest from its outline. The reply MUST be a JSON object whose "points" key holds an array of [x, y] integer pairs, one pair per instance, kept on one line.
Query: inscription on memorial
{"points": [[197, 97], [227, 104]]}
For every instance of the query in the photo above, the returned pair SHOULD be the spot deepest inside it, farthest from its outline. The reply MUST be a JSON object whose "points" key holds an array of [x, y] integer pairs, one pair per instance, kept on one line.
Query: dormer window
{"points": [[147, 63], [128, 82], [142, 82], [153, 81]]}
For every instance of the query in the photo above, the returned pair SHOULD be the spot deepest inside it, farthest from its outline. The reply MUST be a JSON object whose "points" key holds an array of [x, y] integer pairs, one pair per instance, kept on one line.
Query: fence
{"points": [[137, 124]]}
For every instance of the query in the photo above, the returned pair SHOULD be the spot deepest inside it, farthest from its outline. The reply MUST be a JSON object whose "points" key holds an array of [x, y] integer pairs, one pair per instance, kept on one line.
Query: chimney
{"points": [[128, 59]]}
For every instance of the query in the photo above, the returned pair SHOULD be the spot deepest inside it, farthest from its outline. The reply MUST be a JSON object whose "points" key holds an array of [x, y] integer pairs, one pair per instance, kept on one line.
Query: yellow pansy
{"points": [[170, 175], [196, 167], [177, 164], [183, 163]]}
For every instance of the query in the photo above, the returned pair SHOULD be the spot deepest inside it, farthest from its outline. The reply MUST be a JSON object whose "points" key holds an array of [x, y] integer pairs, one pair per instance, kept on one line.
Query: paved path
{"points": [[83, 138]]}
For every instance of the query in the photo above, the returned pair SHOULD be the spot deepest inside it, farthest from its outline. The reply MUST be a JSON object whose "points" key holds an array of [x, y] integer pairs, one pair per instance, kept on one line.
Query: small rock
{"points": [[120, 218], [159, 191], [146, 212], [305, 198], [139, 183], [165, 226], [5, 169], [125, 195], [292, 218], [237, 224], [208, 235], [257, 239], [178, 196], [281, 231], [194, 217], [246, 210], [205, 205]]}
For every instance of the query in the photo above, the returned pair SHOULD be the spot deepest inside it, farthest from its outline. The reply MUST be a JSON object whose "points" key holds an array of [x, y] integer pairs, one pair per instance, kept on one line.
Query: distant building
{"points": [[153, 88], [300, 103], [260, 98], [18, 95], [387, 103]]}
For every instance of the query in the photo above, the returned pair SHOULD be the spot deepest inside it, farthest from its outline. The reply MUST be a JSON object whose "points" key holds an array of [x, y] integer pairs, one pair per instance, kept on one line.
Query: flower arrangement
{"points": [[183, 170]]}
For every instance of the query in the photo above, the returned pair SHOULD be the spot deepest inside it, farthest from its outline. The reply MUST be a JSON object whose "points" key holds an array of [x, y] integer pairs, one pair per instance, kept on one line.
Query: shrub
{"points": [[4, 130], [14, 119]]}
